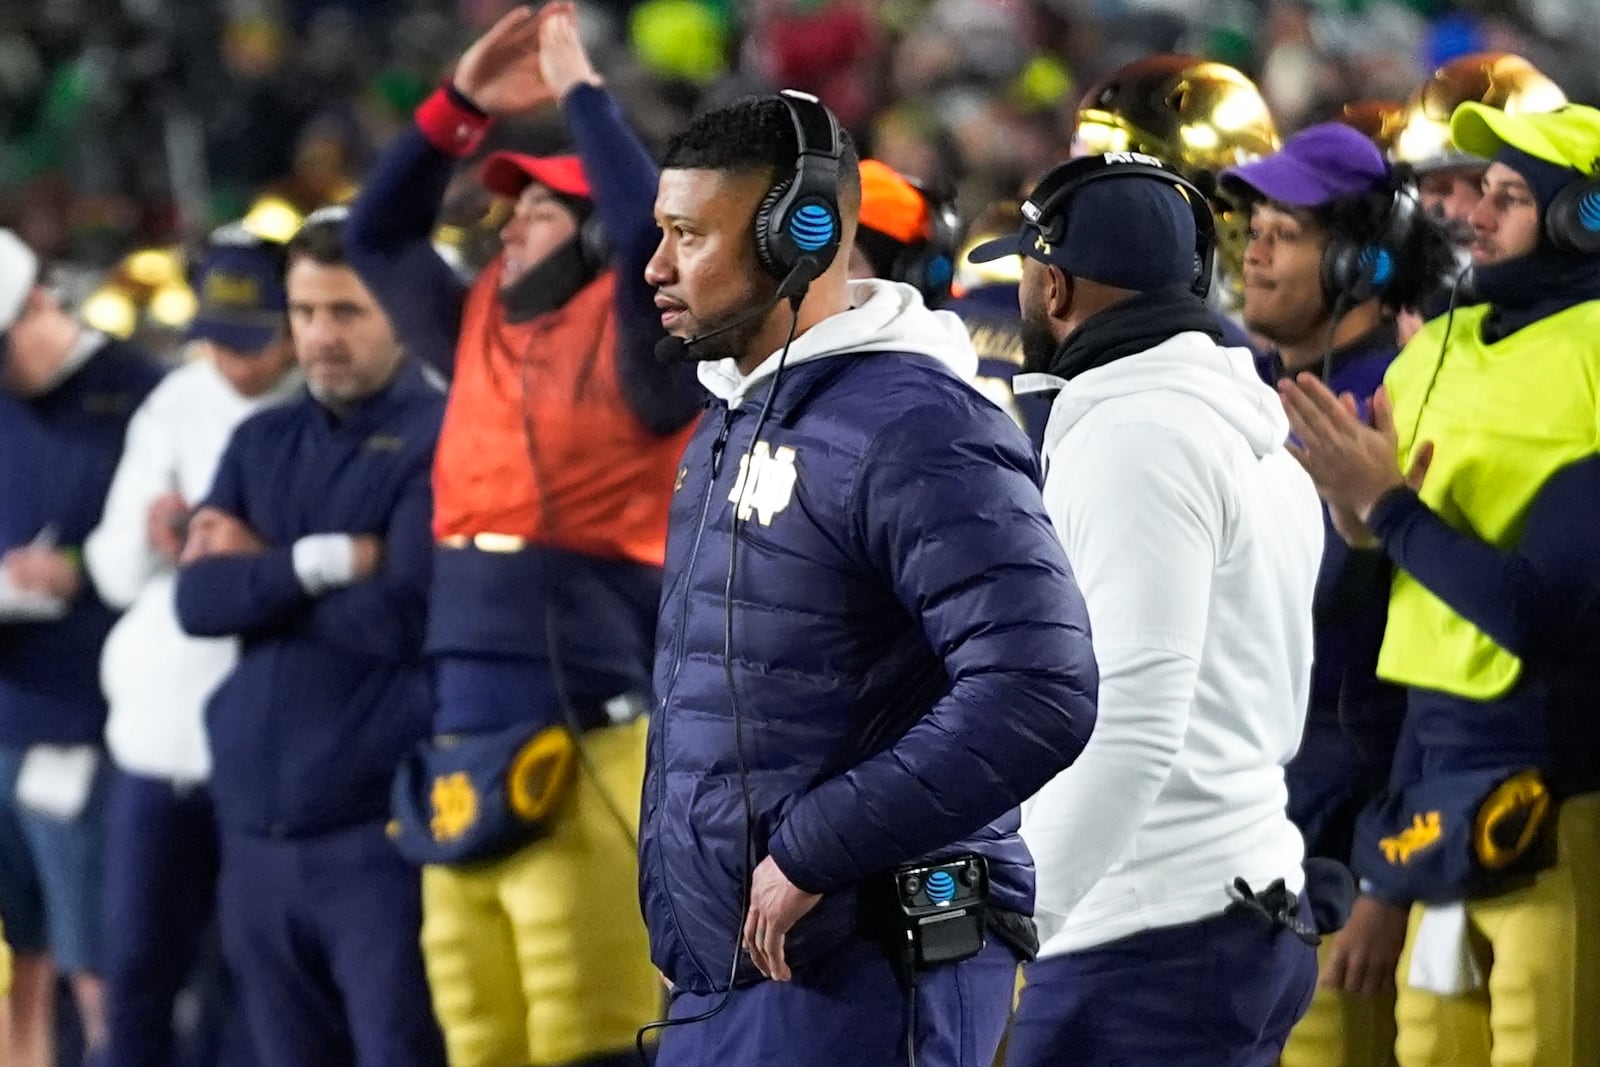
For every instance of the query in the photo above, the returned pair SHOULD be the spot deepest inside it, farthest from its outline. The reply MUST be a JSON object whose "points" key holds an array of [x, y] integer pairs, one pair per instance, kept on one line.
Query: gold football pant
{"points": [[1341, 1030], [540, 958], [1540, 950]]}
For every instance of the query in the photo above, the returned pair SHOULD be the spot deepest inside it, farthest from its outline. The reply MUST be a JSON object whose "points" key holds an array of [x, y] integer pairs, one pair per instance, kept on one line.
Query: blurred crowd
{"points": [[126, 124], [165, 166]]}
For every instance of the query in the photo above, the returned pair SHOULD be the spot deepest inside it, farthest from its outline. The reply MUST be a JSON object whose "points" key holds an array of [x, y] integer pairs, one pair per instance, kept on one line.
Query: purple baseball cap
{"points": [[1317, 166]]}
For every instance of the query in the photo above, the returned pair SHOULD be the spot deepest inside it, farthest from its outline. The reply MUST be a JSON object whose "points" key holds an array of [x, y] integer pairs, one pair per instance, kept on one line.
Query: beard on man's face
{"points": [[1039, 344], [731, 345]]}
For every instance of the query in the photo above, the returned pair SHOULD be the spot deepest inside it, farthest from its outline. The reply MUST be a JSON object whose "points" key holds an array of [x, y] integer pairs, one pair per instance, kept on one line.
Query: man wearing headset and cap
{"points": [[1450, 179], [554, 472], [1168, 869], [906, 234], [1476, 477]]}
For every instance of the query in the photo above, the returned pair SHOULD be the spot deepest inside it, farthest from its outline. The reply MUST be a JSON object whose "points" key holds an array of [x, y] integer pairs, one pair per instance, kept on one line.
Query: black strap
{"points": [[1018, 931], [1275, 906]]}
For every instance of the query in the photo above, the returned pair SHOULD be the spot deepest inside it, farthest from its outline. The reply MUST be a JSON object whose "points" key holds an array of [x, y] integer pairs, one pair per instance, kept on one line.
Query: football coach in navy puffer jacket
{"points": [[896, 657]]}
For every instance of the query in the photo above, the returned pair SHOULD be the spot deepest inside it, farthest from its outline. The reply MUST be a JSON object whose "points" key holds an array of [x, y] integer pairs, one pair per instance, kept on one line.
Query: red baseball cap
{"points": [[508, 173]]}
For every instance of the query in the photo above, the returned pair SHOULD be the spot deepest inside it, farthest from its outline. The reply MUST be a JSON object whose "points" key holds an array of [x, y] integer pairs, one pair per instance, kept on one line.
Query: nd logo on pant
{"points": [[771, 475]]}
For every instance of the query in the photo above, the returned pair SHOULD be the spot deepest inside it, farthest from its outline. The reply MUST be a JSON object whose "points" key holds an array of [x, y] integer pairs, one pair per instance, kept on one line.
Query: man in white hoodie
{"points": [[1169, 905], [161, 850]]}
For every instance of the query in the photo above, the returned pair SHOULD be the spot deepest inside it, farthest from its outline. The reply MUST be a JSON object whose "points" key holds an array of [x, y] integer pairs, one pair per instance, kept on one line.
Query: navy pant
{"points": [[1223, 992], [321, 933], [849, 1009], [160, 895]]}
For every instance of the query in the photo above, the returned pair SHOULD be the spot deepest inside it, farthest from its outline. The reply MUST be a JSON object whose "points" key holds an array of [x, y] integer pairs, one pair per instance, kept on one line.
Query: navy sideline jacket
{"points": [[58, 452], [330, 691], [910, 651]]}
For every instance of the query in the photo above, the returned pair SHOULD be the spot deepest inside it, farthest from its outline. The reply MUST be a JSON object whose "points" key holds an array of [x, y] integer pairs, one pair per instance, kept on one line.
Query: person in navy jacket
{"points": [[871, 648], [312, 547], [66, 394]]}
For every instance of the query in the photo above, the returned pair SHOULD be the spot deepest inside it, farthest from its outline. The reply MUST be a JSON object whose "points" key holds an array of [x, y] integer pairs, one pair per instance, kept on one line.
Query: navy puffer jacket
{"points": [[910, 652]]}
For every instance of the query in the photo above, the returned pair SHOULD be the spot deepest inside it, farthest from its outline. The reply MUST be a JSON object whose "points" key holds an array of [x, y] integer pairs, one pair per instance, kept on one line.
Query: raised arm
{"points": [[623, 178], [389, 234]]}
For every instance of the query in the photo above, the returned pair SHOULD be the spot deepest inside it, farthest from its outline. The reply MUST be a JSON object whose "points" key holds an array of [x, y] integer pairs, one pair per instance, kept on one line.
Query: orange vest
{"points": [[538, 441]]}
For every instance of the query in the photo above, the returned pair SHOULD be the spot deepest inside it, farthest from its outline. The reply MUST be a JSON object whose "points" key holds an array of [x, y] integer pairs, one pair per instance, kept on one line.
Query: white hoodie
{"points": [[155, 677], [884, 317], [1196, 539]]}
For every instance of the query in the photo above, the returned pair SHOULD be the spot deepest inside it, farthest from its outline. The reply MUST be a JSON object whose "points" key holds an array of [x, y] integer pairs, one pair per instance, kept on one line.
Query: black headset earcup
{"points": [[928, 269], [770, 243], [1341, 272], [1572, 220], [593, 244], [1354, 273]]}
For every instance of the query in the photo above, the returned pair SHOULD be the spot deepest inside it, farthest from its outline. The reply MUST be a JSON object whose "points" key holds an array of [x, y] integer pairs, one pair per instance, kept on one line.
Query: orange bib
{"points": [[538, 441]]}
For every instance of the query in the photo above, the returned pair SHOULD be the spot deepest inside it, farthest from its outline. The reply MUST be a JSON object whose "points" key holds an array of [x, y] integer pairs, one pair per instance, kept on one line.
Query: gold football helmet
{"points": [[1497, 79], [1380, 120], [274, 218], [1196, 114], [146, 292]]}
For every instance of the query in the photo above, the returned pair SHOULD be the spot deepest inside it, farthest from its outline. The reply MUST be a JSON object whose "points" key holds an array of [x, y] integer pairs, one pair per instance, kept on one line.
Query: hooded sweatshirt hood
{"points": [[1189, 364], [884, 317]]}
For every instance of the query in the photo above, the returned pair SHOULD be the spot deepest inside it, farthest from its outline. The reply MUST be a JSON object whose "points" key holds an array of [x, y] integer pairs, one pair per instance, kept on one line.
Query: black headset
{"points": [[800, 215], [1046, 209], [1356, 270], [929, 265], [1572, 221], [594, 247]]}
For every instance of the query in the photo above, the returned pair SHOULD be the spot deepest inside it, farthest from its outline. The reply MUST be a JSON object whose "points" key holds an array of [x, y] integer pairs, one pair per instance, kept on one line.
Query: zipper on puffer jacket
{"points": [[718, 446]]}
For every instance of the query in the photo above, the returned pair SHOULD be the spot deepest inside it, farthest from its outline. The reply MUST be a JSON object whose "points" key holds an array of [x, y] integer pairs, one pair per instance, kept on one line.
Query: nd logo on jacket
{"points": [[772, 476]]}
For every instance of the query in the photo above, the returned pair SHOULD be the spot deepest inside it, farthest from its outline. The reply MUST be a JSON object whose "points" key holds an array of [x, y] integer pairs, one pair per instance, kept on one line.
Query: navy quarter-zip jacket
{"points": [[58, 452], [330, 690]]}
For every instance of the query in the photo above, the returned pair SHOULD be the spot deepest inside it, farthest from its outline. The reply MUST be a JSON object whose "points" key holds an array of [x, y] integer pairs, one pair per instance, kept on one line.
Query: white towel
{"points": [[56, 780], [1442, 960]]}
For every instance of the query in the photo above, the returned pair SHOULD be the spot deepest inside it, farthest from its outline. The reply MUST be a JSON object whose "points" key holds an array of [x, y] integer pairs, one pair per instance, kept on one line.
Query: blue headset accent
{"points": [[1355, 271], [928, 265], [1380, 264], [799, 216], [1572, 221], [1589, 211]]}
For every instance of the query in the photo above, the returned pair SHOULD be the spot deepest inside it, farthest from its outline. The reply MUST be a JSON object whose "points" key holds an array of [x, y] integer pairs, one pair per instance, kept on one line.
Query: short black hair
{"points": [[1425, 260], [320, 239], [755, 135]]}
